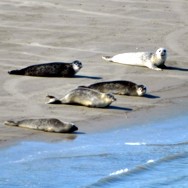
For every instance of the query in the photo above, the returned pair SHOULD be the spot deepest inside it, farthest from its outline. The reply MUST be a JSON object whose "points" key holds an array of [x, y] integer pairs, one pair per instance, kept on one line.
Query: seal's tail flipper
{"points": [[53, 100], [107, 58], [10, 123], [17, 72]]}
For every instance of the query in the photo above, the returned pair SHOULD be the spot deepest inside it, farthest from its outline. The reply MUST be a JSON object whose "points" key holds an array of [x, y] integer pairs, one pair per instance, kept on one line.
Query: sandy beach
{"points": [[33, 32]]}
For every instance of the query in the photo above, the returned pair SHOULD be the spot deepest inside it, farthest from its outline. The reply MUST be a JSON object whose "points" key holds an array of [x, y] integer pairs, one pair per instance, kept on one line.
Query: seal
{"points": [[55, 69], [120, 87], [84, 96], [155, 61], [48, 125]]}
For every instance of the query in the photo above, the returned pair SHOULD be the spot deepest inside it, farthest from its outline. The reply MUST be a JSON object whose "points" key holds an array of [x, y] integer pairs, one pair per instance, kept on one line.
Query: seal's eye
{"points": [[164, 51]]}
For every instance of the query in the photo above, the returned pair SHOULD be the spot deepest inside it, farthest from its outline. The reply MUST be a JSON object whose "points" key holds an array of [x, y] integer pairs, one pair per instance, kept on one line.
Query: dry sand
{"points": [[33, 31]]}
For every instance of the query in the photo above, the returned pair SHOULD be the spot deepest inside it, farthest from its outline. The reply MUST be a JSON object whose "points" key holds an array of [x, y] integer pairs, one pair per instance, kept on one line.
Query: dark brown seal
{"points": [[120, 87], [55, 69]]}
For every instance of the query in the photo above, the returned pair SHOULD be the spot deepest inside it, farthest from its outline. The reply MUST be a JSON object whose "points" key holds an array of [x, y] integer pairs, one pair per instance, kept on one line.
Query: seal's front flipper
{"points": [[154, 67]]}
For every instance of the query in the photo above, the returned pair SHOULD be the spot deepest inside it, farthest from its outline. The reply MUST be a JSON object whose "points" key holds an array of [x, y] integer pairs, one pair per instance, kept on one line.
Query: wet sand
{"points": [[33, 32]]}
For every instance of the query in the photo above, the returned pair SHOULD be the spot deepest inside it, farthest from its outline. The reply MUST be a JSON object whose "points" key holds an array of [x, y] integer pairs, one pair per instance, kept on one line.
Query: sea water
{"points": [[150, 155]]}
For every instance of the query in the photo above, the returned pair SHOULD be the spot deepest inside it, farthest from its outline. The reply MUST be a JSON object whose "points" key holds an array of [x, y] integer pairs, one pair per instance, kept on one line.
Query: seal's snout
{"points": [[162, 51], [74, 128], [112, 97]]}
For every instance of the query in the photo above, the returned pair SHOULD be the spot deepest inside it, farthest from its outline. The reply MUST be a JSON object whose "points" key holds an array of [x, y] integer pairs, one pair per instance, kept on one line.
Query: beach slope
{"points": [[33, 32]]}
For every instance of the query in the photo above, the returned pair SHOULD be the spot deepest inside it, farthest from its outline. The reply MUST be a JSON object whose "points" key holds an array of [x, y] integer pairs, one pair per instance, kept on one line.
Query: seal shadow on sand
{"points": [[149, 96], [78, 133], [105, 108], [89, 77], [176, 68], [119, 108]]}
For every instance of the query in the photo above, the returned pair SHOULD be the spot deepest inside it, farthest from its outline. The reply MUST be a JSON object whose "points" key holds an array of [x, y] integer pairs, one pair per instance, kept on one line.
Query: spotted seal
{"points": [[120, 87], [48, 125], [84, 96], [54, 69], [155, 61]]}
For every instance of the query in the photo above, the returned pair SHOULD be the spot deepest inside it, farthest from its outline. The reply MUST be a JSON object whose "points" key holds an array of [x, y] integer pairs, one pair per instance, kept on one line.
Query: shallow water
{"points": [[152, 155]]}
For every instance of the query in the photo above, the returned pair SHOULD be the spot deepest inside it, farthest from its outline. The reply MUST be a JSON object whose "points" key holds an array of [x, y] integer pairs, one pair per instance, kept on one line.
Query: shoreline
{"points": [[130, 119], [83, 31]]}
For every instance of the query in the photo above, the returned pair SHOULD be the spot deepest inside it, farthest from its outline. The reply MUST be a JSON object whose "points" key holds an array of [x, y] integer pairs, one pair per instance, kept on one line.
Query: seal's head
{"points": [[141, 90], [161, 53], [69, 127], [109, 97], [77, 65]]}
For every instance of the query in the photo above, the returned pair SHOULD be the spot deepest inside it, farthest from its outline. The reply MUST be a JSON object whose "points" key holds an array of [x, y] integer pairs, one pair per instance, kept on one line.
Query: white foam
{"points": [[23, 160], [135, 143], [119, 172], [150, 161]]}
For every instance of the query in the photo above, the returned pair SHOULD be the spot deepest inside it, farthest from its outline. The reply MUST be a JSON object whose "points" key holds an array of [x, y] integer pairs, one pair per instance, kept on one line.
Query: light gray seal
{"points": [[48, 125], [155, 61], [120, 87], [84, 96], [55, 69]]}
